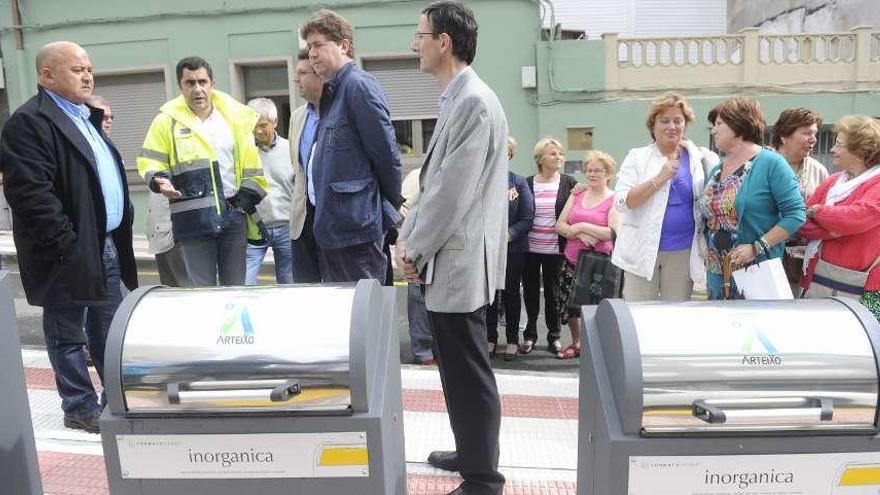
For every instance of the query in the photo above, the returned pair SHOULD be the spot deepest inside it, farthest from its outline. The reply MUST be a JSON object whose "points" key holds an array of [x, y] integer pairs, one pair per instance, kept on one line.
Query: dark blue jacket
{"points": [[520, 213], [356, 167]]}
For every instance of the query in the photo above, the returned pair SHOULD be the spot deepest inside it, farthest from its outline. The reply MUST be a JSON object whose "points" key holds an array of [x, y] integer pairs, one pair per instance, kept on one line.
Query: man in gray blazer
{"points": [[303, 127], [454, 240]]}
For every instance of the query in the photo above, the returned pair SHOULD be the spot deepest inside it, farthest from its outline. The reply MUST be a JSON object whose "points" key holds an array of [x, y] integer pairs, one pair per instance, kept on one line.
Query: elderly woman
{"points": [[520, 212], [551, 189], [752, 202], [587, 222], [655, 191], [794, 135], [843, 219]]}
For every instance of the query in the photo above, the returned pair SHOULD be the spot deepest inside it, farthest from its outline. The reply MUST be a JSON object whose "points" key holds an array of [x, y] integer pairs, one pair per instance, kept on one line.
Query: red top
{"points": [[850, 229]]}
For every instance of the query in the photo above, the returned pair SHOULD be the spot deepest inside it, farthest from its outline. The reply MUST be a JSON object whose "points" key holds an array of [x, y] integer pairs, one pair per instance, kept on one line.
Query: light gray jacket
{"points": [[298, 197], [159, 236], [456, 233]]}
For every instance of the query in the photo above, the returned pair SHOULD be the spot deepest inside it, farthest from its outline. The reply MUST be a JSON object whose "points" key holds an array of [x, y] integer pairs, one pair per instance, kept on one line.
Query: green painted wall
{"points": [[571, 79], [577, 98], [127, 35]]}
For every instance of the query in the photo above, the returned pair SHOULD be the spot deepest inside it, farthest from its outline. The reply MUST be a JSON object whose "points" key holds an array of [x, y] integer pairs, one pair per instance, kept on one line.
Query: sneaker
{"points": [[88, 423]]}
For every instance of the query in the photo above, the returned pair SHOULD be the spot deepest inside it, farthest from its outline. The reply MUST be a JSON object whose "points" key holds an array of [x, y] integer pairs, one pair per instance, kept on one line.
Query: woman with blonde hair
{"points": [[655, 191], [843, 219], [587, 221], [550, 188]]}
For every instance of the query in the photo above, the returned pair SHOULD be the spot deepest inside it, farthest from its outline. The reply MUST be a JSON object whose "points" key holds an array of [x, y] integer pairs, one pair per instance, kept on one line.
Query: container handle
{"points": [[783, 408], [271, 390]]}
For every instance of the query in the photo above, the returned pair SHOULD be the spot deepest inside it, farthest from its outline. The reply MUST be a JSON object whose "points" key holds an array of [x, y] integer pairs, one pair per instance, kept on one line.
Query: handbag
{"points": [[764, 280], [833, 280], [595, 278], [792, 265]]}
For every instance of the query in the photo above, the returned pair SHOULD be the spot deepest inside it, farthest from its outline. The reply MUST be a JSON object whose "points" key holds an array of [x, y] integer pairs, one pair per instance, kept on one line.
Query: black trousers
{"points": [[541, 267], [512, 299], [471, 396], [306, 268]]}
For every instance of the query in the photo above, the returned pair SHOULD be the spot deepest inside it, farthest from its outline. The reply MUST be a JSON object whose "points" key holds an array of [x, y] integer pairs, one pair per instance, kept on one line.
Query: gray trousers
{"points": [[172, 267], [222, 254], [419, 328]]}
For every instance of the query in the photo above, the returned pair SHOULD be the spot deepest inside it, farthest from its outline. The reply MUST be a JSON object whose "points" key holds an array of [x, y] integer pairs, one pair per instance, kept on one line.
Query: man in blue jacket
{"points": [[354, 173]]}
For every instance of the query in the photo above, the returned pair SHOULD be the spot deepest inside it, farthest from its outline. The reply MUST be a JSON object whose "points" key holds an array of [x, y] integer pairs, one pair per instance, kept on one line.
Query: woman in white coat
{"points": [[655, 191]]}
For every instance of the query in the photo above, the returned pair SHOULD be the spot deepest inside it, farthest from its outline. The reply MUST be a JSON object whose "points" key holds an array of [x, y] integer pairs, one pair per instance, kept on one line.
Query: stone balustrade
{"points": [[750, 59]]}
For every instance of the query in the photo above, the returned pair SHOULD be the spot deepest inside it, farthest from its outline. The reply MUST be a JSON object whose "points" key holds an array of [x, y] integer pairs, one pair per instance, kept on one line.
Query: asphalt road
{"points": [[540, 360]]}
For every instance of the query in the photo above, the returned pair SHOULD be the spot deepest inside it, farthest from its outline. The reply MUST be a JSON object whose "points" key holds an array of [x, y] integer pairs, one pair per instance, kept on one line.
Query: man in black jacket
{"points": [[72, 221]]}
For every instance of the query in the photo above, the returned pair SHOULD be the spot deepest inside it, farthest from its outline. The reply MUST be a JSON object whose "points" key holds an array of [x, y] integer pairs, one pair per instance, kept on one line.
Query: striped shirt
{"points": [[542, 237]]}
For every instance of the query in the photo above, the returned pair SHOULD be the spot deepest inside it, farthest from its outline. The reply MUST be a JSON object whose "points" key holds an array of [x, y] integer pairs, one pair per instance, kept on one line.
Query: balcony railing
{"points": [[747, 59]]}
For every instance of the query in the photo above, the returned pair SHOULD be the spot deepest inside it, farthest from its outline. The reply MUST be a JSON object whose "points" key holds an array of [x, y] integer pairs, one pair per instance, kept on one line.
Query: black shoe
{"points": [[88, 423], [446, 460], [554, 346]]}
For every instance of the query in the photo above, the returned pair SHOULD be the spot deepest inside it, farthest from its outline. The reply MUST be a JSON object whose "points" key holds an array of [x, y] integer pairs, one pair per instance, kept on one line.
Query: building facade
{"points": [[591, 93]]}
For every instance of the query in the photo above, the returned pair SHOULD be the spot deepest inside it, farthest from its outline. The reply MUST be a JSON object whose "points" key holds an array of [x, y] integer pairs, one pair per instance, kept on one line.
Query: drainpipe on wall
{"points": [[16, 26]]}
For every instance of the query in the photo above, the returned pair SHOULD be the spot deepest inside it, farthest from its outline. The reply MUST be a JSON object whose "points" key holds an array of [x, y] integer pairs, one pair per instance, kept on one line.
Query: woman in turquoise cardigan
{"points": [[751, 203]]}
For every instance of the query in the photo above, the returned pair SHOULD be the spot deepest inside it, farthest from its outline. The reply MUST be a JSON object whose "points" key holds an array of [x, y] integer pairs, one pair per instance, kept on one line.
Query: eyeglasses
{"points": [[671, 122], [108, 117], [594, 171], [417, 35]]}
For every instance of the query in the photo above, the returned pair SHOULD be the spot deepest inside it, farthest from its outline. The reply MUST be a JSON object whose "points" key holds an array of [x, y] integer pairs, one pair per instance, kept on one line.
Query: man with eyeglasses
{"points": [[454, 240], [355, 166], [303, 126], [100, 102]]}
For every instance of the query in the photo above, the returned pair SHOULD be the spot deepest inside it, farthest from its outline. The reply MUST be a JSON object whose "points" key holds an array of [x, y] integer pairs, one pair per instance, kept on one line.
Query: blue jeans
{"points": [[419, 328], [63, 332], [282, 249], [221, 254]]}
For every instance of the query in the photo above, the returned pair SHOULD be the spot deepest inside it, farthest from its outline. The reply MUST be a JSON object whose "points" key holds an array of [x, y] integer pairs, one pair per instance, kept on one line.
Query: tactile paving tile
{"points": [[546, 384], [518, 406], [525, 442], [72, 474]]}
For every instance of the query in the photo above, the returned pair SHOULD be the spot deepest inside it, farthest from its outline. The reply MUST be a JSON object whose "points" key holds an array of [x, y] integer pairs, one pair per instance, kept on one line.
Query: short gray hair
{"points": [[98, 101], [265, 107]]}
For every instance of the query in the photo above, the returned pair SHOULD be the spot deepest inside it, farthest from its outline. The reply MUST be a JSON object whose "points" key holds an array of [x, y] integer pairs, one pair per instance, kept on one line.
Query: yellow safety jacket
{"points": [[176, 149]]}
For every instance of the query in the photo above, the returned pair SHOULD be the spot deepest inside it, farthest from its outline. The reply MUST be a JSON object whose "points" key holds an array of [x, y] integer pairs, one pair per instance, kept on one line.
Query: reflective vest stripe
{"points": [[154, 155], [191, 204], [182, 168], [250, 185]]}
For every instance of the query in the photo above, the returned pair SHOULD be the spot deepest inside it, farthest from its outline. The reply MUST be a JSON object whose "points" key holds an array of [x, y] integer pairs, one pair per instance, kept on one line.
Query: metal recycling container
{"points": [[234, 350], [729, 397], [785, 366], [264, 389]]}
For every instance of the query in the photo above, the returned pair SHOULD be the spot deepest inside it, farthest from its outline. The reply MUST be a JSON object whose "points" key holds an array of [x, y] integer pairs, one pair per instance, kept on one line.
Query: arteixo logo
{"points": [[755, 337], [238, 328], [757, 349]]}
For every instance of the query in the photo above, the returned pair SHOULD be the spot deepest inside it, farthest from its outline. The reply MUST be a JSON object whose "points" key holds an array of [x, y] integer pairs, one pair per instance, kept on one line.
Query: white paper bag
{"points": [[765, 280]]}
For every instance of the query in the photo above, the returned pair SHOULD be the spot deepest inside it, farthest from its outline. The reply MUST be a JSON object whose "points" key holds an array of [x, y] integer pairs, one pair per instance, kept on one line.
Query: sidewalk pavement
{"points": [[538, 434]]}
